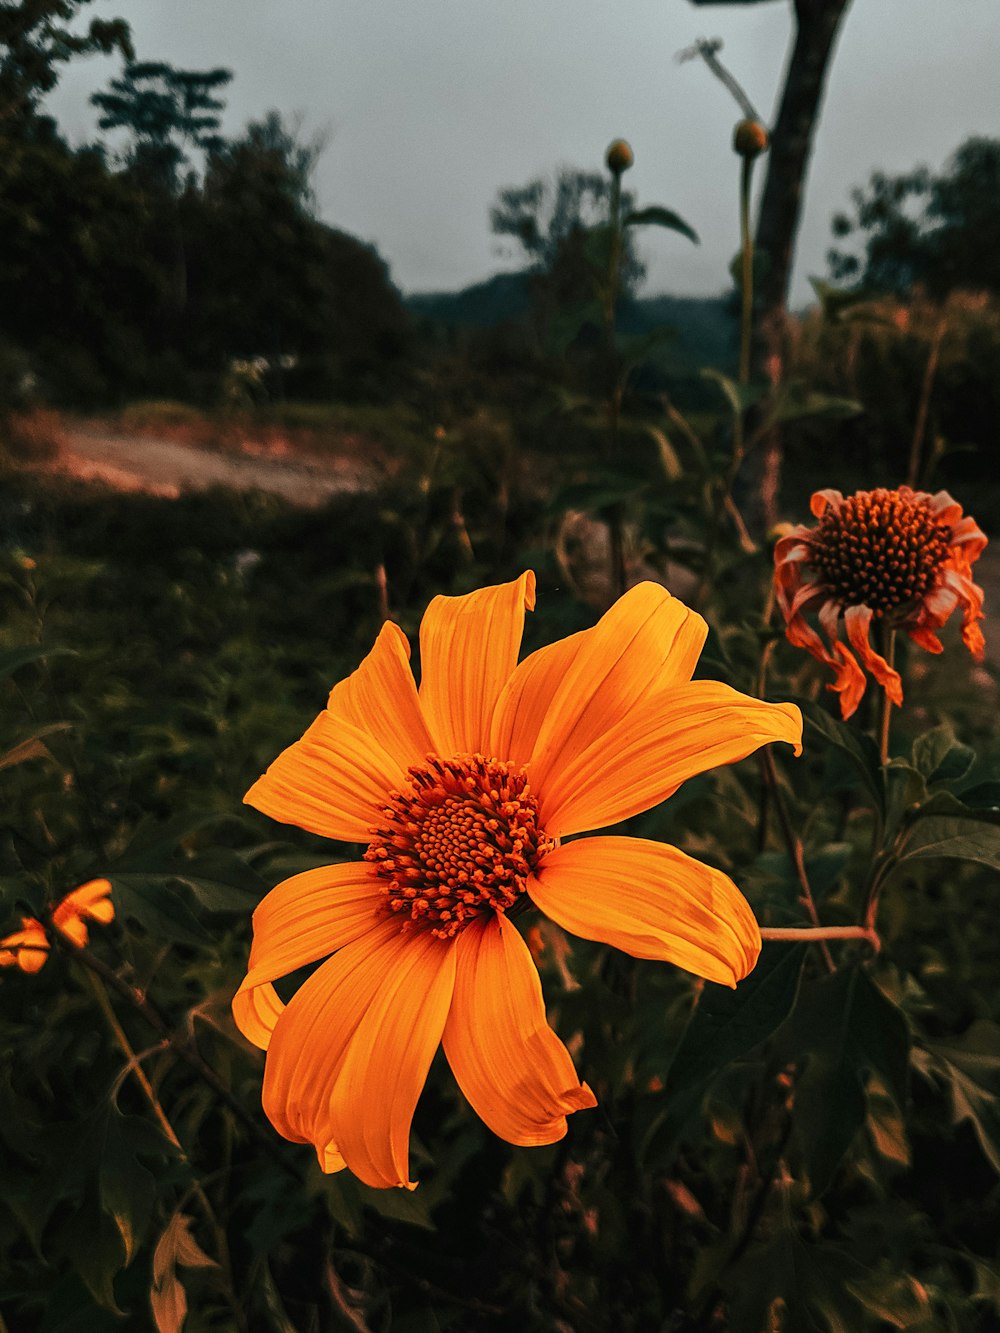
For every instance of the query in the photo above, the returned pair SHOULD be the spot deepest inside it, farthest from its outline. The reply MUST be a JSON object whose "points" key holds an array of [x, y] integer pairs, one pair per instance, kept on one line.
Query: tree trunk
{"points": [[817, 23]]}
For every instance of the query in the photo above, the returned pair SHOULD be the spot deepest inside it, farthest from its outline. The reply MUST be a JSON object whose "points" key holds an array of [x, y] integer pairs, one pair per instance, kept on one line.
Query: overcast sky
{"points": [[432, 105]]}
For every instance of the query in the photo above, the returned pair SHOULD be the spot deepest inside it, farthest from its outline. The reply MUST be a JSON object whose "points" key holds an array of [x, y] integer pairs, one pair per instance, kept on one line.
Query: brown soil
{"points": [[156, 465]]}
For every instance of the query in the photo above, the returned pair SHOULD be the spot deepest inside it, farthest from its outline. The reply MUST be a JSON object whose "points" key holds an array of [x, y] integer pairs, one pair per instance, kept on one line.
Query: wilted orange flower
{"points": [[464, 793], [28, 948], [903, 557]]}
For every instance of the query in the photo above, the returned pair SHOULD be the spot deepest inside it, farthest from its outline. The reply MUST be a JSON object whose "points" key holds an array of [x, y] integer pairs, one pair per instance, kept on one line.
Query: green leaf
{"points": [[673, 469], [657, 216], [940, 757], [847, 1026], [954, 838], [14, 658], [728, 1023], [126, 1189], [159, 908], [855, 745], [970, 1067], [32, 747], [798, 404], [739, 396], [725, 1025], [810, 1284]]}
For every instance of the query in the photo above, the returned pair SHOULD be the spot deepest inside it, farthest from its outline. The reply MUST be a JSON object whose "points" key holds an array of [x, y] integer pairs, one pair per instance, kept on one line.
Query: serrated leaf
{"points": [[126, 1188], [658, 216]]}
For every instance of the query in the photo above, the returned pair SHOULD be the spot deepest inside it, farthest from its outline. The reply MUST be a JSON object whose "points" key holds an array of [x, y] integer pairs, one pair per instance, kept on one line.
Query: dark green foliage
{"points": [[935, 231], [36, 37]]}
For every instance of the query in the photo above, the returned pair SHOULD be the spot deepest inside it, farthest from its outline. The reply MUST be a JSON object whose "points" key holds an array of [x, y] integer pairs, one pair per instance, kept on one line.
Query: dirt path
{"points": [[158, 466]]}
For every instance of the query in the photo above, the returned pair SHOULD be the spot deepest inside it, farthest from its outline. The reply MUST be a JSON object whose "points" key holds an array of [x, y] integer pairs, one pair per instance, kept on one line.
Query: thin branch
{"points": [[795, 851]]}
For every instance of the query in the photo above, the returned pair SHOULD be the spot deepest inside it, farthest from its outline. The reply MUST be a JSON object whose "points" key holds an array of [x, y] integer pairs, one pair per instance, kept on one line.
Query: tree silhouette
{"points": [[165, 110], [35, 40], [938, 231]]}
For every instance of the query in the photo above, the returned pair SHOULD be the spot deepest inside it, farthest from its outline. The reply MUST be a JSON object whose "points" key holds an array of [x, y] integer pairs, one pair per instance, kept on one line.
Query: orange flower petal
{"points": [[302, 919], [664, 740], [381, 698], [857, 623], [821, 501], [527, 697], [89, 902], [311, 1035], [387, 1060], [513, 1069], [651, 901], [647, 641], [334, 781], [27, 948], [468, 649]]}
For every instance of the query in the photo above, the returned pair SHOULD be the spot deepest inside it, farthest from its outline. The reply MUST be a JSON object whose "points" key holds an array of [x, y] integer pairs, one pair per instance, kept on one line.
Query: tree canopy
{"points": [[939, 231]]}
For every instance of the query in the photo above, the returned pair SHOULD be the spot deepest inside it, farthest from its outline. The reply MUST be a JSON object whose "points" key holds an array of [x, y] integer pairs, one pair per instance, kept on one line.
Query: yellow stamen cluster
{"points": [[459, 843], [879, 549]]}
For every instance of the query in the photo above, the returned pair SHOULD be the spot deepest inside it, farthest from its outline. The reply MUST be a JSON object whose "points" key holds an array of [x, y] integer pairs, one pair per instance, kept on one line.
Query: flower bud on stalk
{"points": [[619, 156], [750, 138]]}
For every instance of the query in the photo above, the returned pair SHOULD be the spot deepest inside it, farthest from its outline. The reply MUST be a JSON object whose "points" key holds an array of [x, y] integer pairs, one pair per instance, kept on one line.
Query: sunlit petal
{"points": [[663, 741], [647, 641], [311, 1035], [514, 1071], [468, 649], [381, 698], [301, 920], [334, 781], [387, 1059], [651, 901]]}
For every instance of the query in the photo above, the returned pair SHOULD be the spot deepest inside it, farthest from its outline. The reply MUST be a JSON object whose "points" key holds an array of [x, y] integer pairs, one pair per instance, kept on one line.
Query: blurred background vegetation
{"points": [[819, 1152]]}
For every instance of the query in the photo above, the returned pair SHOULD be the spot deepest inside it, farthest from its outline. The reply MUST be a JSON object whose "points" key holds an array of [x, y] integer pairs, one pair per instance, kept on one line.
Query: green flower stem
{"points": [[182, 1049], [616, 526], [883, 740], [816, 933], [746, 246], [795, 851], [103, 1000]]}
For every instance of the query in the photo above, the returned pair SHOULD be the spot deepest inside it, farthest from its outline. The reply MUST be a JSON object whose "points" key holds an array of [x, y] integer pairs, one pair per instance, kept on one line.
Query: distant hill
{"points": [[704, 328]]}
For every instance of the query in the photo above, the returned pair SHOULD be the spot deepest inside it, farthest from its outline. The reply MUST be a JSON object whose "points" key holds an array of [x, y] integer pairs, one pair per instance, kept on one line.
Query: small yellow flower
{"points": [[465, 794], [28, 948]]}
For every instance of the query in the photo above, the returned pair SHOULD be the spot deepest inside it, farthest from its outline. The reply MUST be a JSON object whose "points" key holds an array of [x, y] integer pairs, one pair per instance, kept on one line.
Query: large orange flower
{"points": [[902, 557], [463, 793]]}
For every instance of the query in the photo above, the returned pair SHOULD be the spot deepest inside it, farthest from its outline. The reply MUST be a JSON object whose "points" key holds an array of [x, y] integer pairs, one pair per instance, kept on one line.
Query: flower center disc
{"points": [[458, 843], [880, 549]]}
